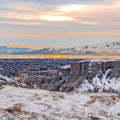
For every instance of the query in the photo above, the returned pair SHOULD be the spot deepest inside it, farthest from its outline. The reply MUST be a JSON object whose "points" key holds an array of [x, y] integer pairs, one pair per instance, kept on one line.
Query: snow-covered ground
{"points": [[47, 105], [102, 84]]}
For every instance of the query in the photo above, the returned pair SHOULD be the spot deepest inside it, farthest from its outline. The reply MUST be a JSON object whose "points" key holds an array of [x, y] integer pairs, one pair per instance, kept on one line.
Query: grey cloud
{"points": [[63, 1]]}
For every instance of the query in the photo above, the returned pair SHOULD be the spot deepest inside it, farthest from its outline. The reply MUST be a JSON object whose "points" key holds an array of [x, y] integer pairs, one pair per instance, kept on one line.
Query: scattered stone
{"points": [[118, 114]]}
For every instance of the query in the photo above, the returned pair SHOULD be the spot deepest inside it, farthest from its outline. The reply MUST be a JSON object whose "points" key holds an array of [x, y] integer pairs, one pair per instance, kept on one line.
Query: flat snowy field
{"points": [[46, 105]]}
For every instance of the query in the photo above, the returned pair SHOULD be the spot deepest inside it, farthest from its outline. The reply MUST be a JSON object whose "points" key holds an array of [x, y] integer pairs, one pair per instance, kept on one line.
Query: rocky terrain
{"points": [[96, 75], [85, 75]]}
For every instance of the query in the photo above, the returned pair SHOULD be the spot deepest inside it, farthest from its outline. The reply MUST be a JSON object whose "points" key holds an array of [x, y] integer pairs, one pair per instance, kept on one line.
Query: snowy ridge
{"points": [[94, 49], [47, 105]]}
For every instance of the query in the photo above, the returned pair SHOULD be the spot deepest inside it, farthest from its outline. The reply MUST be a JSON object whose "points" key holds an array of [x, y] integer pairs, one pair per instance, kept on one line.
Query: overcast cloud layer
{"points": [[39, 23]]}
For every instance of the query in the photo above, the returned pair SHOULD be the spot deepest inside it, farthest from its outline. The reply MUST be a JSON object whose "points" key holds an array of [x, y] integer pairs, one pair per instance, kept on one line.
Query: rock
{"points": [[16, 108], [118, 114], [1, 86], [91, 101], [94, 118]]}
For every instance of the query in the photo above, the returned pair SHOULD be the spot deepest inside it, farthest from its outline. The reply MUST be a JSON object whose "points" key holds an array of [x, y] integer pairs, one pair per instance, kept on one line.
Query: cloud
{"points": [[61, 2], [60, 19], [33, 13]]}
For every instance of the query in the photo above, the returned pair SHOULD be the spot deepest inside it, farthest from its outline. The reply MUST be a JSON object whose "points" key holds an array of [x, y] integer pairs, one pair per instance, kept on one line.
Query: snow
{"points": [[101, 84], [65, 67], [5, 78], [112, 48], [92, 61], [58, 105]]}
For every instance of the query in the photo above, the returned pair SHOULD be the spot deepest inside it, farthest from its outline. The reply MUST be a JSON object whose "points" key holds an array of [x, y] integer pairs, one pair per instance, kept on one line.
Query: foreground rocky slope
{"points": [[30, 104]]}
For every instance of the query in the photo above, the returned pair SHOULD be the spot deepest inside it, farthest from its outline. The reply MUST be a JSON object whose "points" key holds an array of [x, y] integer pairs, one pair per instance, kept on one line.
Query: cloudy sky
{"points": [[40, 23]]}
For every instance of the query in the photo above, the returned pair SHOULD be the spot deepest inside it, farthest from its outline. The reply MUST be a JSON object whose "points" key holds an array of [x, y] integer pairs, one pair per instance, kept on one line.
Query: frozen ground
{"points": [[30, 104]]}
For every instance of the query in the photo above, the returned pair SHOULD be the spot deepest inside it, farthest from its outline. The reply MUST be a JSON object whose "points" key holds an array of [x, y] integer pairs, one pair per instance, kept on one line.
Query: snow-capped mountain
{"points": [[105, 48], [94, 49]]}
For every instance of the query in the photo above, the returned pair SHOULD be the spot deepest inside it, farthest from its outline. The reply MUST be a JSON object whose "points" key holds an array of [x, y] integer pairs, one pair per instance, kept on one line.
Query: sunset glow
{"points": [[56, 18], [72, 8]]}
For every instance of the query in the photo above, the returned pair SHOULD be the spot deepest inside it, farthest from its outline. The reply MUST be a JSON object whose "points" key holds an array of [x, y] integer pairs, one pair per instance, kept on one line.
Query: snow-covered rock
{"points": [[93, 75]]}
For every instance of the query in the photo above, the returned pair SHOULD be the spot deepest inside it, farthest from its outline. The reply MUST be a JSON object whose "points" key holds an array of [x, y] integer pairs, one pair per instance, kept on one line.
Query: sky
{"points": [[58, 23]]}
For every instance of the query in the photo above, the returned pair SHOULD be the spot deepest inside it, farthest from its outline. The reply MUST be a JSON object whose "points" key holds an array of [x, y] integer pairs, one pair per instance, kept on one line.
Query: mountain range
{"points": [[6, 49], [106, 48]]}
